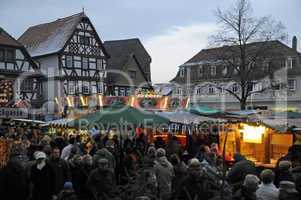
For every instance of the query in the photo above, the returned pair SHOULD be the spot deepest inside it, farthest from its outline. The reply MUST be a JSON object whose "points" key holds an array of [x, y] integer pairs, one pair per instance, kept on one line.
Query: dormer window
{"points": [[235, 88], [211, 89], [182, 72], [212, 70]]}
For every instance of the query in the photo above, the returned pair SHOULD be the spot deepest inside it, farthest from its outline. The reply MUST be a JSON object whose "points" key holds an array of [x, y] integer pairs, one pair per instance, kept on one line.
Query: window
{"points": [[179, 91], [235, 70], [276, 85], [93, 87], [225, 70], [2, 52], [291, 63], [71, 87], [250, 86], [10, 54], [266, 66], [86, 88], [291, 84], [201, 70], [122, 92], [132, 74], [199, 91], [213, 70], [85, 63], [116, 91], [235, 88], [27, 85], [84, 40], [211, 89], [182, 72], [69, 60], [99, 64]]}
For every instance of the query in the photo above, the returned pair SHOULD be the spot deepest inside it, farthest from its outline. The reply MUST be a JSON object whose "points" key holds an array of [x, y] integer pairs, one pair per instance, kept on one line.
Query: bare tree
{"points": [[246, 43]]}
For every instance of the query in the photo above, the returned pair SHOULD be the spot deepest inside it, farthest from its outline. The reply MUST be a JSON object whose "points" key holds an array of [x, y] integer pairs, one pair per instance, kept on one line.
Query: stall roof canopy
{"points": [[59, 122], [116, 115], [184, 117]]}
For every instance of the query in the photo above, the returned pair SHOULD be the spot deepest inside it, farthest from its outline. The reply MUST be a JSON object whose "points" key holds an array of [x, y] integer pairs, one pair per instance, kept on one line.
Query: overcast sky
{"points": [[171, 30]]}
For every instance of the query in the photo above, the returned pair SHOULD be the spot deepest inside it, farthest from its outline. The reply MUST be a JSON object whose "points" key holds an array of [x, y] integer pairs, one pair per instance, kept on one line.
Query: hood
{"points": [[164, 162], [103, 152]]}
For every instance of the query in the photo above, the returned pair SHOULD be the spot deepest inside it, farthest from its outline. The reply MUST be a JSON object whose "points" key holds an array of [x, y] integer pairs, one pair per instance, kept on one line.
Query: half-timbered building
{"points": [[128, 67], [71, 54], [20, 79]]}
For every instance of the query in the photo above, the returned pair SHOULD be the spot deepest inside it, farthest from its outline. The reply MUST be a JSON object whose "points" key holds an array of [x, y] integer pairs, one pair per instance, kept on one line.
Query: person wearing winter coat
{"points": [[284, 172], [248, 188], [105, 153], [180, 169], [67, 192], [195, 186], [61, 169], [287, 191], [14, 181], [101, 181], [42, 177], [165, 173], [238, 172], [267, 190]]}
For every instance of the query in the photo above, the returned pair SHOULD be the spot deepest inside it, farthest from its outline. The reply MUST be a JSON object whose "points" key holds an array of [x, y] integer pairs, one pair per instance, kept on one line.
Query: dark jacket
{"points": [[43, 182], [67, 195], [192, 189], [79, 180], [285, 195], [244, 194], [239, 171], [61, 171], [14, 182], [102, 183]]}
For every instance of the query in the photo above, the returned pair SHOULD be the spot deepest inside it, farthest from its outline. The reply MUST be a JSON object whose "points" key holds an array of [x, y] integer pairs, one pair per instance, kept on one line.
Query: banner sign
{"points": [[13, 113]]}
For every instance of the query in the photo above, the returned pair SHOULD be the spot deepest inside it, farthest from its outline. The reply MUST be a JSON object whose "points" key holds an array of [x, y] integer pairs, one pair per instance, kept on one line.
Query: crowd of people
{"points": [[65, 167]]}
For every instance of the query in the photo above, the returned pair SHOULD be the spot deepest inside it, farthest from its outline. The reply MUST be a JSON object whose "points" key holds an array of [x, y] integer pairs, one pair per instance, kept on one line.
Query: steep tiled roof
{"points": [[7, 39], [274, 47], [121, 50], [50, 37]]}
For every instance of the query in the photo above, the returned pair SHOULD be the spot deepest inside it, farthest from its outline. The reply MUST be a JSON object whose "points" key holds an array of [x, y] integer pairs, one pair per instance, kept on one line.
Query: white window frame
{"points": [[71, 87], [235, 85], [213, 70], [294, 84], [211, 90], [198, 91], [179, 91], [69, 62], [279, 85]]}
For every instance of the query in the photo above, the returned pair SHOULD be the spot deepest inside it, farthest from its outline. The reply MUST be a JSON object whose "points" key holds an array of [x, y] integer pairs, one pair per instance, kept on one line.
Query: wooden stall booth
{"points": [[257, 142]]}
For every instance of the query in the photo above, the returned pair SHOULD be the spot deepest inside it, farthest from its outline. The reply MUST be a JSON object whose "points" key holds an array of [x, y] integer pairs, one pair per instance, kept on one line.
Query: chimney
{"points": [[294, 43]]}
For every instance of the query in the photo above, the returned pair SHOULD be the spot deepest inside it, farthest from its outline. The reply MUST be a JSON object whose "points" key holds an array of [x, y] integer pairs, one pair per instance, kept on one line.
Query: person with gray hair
{"points": [[267, 190], [287, 191], [165, 173], [248, 188]]}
